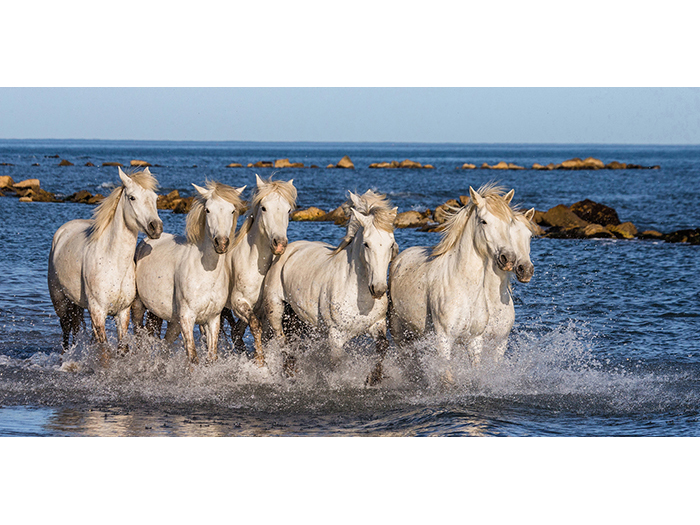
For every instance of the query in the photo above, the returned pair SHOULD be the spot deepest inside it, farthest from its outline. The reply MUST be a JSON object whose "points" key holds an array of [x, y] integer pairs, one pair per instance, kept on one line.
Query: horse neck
{"points": [[255, 246], [355, 264], [467, 261], [118, 238]]}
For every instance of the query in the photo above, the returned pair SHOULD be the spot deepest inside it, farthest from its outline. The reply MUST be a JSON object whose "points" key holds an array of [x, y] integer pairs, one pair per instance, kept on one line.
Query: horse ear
{"points": [[361, 217], [147, 170], [509, 196], [202, 191], [356, 201], [394, 250], [258, 181], [290, 181], [241, 189], [529, 214], [477, 199], [126, 180]]}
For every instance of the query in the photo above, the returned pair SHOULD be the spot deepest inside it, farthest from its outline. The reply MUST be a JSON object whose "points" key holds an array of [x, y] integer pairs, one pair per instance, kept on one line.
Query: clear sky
{"points": [[465, 115]]}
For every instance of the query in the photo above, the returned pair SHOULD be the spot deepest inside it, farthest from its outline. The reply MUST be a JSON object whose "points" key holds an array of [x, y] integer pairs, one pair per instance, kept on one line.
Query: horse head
{"points": [[521, 233], [140, 211], [377, 249], [273, 203], [221, 205], [492, 234]]}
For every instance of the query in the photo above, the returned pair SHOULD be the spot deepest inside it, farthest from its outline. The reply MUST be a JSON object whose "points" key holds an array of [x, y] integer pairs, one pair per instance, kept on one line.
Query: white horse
{"points": [[91, 263], [341, 292], [460, 289], [185, 280], [262, 236]]}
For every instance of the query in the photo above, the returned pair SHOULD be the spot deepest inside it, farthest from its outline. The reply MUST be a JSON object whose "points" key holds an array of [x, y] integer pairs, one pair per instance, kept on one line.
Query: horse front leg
{"points": [[187, 330], [212, 335], [138, 310], [247, 316], [378, 332], [99, 332], [122, 319]]}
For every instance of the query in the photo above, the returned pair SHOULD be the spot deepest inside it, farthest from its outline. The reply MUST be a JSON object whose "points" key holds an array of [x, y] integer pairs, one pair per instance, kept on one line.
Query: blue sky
{"points": [[396, 114]]}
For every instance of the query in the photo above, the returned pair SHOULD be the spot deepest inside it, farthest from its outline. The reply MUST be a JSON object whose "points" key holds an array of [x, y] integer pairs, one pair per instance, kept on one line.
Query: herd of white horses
{"points": [[458, 290]]}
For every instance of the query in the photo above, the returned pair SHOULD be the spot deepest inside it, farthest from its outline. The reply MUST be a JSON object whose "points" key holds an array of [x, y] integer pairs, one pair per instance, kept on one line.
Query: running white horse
{"points": [[91, 263], [460, 289], [341, 292], [185, 280], [262, 236]]}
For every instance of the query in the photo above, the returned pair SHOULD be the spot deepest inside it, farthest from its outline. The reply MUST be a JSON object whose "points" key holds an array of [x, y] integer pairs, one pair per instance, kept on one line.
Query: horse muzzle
{"points": [[377, 290], [506, 261], [154, 229], [524, 272], [278, 246], [221, 245]]}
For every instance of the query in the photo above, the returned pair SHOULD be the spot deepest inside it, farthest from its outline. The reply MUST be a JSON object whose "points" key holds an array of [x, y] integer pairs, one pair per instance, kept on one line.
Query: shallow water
{"points": [[605, 341]]}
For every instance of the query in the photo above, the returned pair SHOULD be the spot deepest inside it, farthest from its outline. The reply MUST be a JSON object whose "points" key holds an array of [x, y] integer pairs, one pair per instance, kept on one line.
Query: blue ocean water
{"points": [[605, 341]]}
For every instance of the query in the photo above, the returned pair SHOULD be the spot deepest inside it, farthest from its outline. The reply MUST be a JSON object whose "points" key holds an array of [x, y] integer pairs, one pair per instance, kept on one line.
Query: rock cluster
{"points": [[345, 162], [173, 201], [576, 163], [404, 164]]}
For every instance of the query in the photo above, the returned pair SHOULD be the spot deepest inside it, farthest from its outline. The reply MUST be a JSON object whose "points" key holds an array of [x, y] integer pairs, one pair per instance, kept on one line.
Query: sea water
{"points": [[605, 341]]}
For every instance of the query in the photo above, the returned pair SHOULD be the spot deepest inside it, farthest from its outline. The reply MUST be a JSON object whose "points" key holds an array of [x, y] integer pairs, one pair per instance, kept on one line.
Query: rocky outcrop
{"points": [[625, 230], [502, 166], [140, 164], [85, 197], [412, 219], [309, 214], [262, 164], [404, 164], [684, 236], [111, 164], [6, 182], [561, 216], [595, 213], [284, 163], [65, 162], [89, 164], [26, 184], [468, 166], [345, 163], [235, 165]]}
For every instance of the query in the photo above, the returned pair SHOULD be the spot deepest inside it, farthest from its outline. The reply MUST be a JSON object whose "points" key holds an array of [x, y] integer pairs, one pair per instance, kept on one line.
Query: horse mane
{"points": [[373, 204], [459, 217], [196, 219], [103, 215], [284, 188]]}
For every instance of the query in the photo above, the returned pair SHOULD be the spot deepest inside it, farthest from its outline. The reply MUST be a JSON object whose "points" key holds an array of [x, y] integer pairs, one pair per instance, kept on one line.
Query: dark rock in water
{"points": [[596, 231], [337, 216], [82, 196], [411, 219], [112, 164], [183, 205], [65, 162], [169, 201], [686, 236], [6, 164], [562, 217], [262, 164], [595, 213], [235, 165], [89, 164]]}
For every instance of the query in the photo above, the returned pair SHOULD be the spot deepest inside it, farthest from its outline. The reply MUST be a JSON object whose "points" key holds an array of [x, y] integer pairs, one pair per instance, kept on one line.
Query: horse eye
{"points": [[206, 210], [132, 198], [263, 208], [483, 221], [366, 245]]}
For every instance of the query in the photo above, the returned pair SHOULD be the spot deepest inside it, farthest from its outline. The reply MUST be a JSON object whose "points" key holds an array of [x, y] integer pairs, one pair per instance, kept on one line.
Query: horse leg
{"points": [[122, 319], [187, 329], [237, 332], [274, 311], [138, 309], [382, 344], [172, 331], [245, 313], [336, 341], [212, 334], [77, 320], [227, 315], [65, 310], [154, 324], [99, 319]]}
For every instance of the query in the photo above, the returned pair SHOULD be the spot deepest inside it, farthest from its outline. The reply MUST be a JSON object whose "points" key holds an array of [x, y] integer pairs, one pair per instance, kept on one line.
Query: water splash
{"points": [[551, 370]]}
